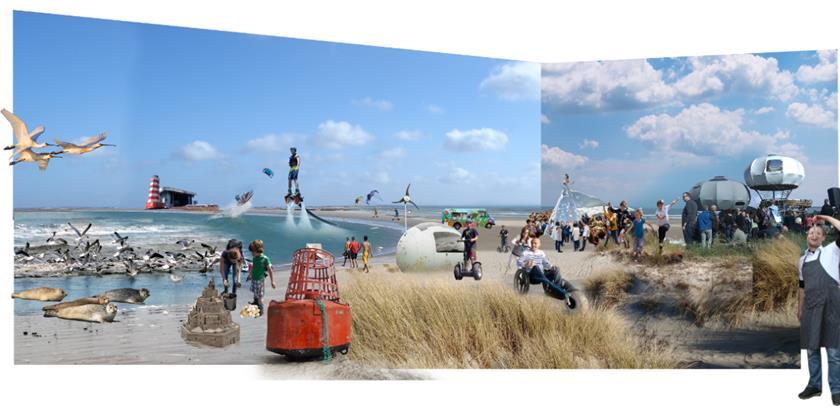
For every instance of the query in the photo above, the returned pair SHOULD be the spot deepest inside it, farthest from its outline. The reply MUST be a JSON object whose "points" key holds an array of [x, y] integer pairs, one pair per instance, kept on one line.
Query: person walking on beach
{"points": [[557, 235], [576, 236], [584, 236], [689, 218], [819, 301], [294, 168], [260, 266], [662, 220], [346, 251], [704, 224], [230, 265], [354, 252], [366, 254]]}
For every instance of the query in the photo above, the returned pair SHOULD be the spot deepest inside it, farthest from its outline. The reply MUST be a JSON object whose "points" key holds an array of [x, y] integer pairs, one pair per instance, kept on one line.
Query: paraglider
{"points": [[268, 172], [370, 196]]}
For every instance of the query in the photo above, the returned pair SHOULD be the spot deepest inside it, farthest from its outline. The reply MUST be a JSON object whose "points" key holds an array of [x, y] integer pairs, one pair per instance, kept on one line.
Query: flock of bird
{"points": [[26, 141], [85, 255]]}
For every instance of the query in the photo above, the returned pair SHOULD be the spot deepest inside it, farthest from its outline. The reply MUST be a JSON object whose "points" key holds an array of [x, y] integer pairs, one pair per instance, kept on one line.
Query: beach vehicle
{"points": [[461, 270], [311, 322], [458, 217], [522, 283]]}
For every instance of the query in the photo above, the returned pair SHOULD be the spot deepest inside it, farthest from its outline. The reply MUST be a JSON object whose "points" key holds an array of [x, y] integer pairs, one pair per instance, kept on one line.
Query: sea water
{"points": [[282, 233]]}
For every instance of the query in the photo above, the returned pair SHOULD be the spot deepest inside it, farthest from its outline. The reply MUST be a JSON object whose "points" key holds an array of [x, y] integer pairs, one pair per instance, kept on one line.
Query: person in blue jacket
{"points": [[704, 224]]}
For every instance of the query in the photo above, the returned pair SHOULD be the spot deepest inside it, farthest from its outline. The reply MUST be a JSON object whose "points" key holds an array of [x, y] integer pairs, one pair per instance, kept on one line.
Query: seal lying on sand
{"points": [[42, 294], [50, 310], [126, 295], [89, 313]]}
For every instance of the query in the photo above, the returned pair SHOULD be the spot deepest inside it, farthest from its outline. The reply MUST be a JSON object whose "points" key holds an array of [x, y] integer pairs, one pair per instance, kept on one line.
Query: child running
{"points": [[261, 265], [662, 220]]}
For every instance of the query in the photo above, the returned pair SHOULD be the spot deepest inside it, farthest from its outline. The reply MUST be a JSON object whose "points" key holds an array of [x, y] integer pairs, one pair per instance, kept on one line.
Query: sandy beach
{"points": [[149, 334]]}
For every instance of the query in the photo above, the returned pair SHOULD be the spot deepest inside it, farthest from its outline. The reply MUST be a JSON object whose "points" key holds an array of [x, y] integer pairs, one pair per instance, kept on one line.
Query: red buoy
{"points": [[311, 322]]}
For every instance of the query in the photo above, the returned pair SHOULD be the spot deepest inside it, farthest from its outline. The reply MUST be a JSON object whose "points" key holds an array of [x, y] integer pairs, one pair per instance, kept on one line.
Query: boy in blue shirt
{"points": [[638, 235]]}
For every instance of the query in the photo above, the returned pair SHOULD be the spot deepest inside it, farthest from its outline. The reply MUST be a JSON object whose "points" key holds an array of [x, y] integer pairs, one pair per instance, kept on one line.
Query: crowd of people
{"points": [[701, 225]]}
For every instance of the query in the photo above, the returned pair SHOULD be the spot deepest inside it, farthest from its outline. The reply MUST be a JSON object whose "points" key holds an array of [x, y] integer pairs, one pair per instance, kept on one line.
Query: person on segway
{"points": [[503, 235], [534, 261], [470, 238]]}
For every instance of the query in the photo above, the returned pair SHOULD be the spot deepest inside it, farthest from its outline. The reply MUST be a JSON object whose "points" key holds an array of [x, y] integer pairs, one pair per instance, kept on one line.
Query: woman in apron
{"points": [[819, 309]]}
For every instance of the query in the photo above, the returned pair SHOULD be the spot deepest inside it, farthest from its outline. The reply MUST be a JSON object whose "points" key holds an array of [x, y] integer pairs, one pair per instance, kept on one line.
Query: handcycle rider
{"points": [[539, 269]]}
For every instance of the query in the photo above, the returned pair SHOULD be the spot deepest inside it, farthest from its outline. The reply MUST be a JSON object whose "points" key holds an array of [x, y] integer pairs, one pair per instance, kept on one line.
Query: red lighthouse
{"points": [[154, 194]]}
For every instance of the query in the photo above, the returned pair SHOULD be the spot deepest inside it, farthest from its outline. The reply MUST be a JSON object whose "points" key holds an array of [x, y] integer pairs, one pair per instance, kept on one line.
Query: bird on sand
{"points": [[88, 145], [185, 244], [406, 199], [43, 159], [130, 269], [25, 138]]}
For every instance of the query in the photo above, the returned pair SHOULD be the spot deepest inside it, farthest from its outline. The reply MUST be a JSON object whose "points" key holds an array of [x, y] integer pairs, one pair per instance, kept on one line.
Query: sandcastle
{"points": [[208, 322]]}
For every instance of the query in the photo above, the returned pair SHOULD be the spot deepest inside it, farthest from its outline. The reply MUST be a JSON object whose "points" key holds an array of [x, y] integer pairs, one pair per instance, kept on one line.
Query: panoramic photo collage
{"points": [[354, 212]]}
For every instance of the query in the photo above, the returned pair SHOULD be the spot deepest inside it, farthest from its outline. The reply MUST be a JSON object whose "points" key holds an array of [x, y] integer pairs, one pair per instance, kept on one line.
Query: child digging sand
{"points": [[260, 265]]}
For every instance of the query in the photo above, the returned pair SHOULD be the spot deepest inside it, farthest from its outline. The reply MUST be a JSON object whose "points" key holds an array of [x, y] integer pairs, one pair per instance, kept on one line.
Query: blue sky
{"points": [[207, 110], [642, 130]]}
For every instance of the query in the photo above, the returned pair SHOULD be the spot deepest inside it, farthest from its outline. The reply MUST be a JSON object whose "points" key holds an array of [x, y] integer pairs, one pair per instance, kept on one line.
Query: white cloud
{"points": [[514, 82], [544, 119], [706, 130], [763, 110], [812, 115], [407, 135], [435, 109], [588, 143], [338, 134], [381, 105], [607, 85], [740, 72], [393, 153], [272, 143], [455, 175], [198, 151], [831, 102], [824, 71], [476, 139], [554, 156]]}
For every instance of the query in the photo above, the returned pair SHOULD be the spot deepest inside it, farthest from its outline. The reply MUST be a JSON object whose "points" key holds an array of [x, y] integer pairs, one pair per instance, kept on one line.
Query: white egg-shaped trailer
{"points": [[721, 192], [429, 246], [774, 173]]}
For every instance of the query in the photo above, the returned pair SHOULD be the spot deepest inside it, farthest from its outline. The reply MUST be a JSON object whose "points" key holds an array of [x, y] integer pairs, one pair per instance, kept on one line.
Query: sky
{"points": [[208, 110], [642, 130]]}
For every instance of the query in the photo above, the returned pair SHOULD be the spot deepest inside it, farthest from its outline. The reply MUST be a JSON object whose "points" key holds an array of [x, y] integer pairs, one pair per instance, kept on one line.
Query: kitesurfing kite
{"points": [[268, 172], [370, 196], [358, 199]]}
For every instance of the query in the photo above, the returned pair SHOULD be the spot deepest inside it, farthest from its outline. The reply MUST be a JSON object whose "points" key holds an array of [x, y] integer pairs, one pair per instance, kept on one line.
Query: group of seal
{"points": [[97, 308]]}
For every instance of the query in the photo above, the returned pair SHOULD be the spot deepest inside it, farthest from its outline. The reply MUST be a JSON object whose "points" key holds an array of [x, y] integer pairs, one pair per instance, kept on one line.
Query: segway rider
{"points": [[470, 238], [503, 234], [819, 300], [534, 261]]}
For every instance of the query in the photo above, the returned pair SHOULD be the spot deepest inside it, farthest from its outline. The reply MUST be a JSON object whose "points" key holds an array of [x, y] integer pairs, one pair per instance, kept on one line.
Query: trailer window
{"points": [[774, 165], [448, 242]]}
